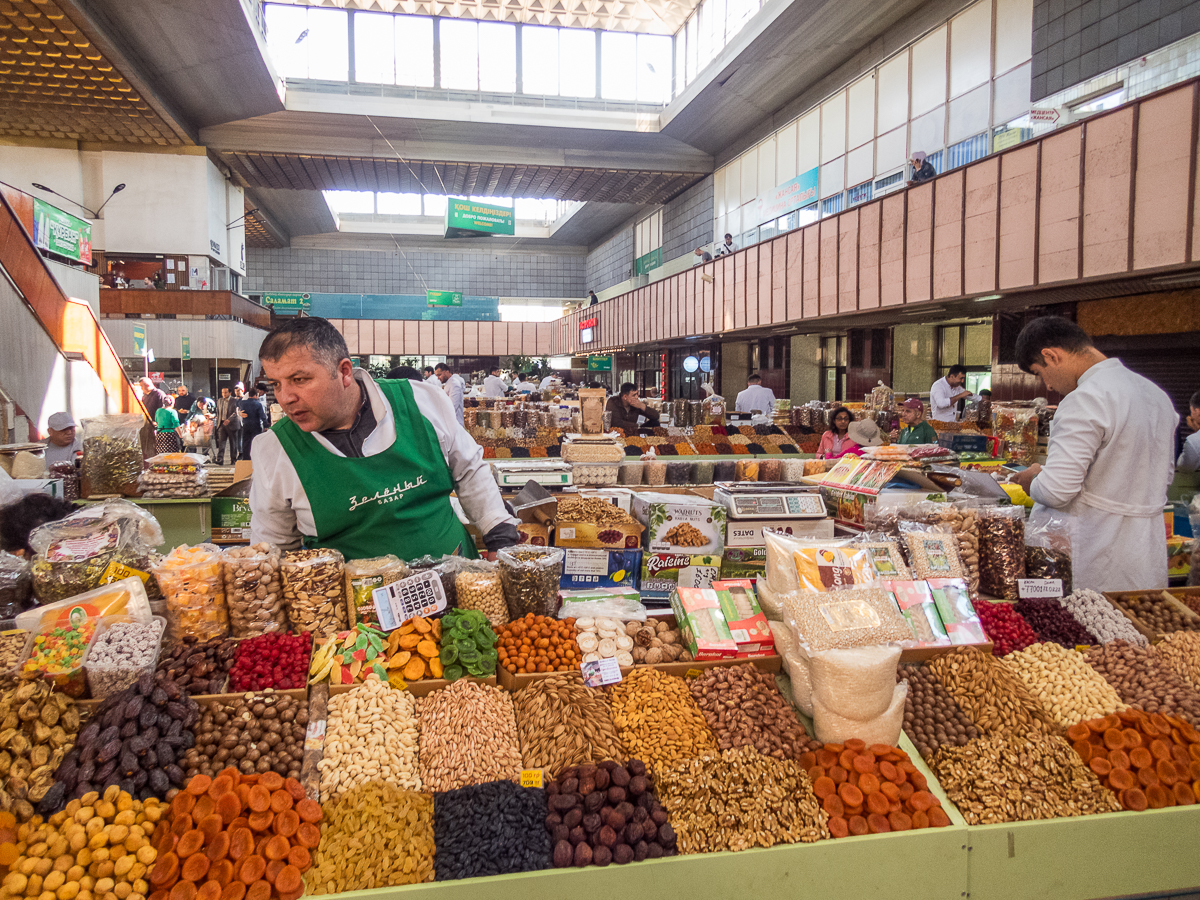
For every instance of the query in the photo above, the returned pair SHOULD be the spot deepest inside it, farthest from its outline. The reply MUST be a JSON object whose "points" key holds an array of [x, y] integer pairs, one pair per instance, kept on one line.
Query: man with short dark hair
{"points": [[627, 409], [254, 419], [453, 385], [427, 372], [728, 248], [363, 466], [945, 394], [1189, 459], [1110, 458], [755, 396], [592, 298], [229, 428], [524, 385], [494, 386]]}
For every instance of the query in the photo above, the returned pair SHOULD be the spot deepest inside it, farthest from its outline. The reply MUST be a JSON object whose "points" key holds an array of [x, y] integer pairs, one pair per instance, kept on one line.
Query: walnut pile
{"points": [[655, 641]]}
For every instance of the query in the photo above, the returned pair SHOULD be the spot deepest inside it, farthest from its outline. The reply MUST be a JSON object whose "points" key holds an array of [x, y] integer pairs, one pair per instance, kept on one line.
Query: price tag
{"points": [[419, 595], [692, 673], [1032, 588], [118, 572], [601, 671], [314, 736], [531, 778]]}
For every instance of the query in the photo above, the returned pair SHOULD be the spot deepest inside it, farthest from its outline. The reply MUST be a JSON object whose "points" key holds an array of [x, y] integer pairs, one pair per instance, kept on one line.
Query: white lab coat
{"points": [[524, 387], [1189, 459], [1108, 466], [754, 397], [494, 386], [455, 387]]}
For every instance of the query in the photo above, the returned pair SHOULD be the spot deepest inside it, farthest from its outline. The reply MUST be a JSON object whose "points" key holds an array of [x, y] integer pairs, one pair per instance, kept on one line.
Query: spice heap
{"points": [[490, 829], [371, 735], [468, 736], [658, 720], [39, 729], [1147, 760], [743, 707], [738, 799], [538, 644], [374, 836], [1019, 777], [562, 723]]}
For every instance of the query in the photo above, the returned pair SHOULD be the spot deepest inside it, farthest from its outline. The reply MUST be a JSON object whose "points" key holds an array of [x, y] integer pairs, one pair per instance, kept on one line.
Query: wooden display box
{"points": [[924, 654], [422, 688], [1151, 635]]}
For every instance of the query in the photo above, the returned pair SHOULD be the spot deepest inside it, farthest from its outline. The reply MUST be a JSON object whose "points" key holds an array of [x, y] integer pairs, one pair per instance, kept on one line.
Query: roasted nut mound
{"points": [[99, 846], [314, 590], [37, 728], [931, 717], [1144, 679], [134, 740], [538, 644], [468, 736], [1147, 760], [374, 836], [561, 723], [1053, 622], [490, 829], [871, 790], [1181, 651], [370, 735], [993, 697], [593, 510], [1010, 777], [1063, 682], [743, 707], [606, 813], [198, 667], [1162, 613], [256, 733], [1093, 611], [739, 799], [657, 718]]}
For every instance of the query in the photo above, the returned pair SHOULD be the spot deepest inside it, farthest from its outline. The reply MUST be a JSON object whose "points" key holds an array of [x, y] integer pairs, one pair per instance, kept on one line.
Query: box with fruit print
{"points": [[663, 573], [677, 523]]}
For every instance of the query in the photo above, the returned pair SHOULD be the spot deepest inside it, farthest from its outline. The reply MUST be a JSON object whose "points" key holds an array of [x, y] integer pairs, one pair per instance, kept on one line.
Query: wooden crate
{"points": [[422, 688], [1116, 598]]}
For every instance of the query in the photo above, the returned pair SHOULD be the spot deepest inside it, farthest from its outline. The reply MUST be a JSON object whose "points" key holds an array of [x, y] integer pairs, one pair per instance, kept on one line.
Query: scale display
{"points": [[752, 505]]}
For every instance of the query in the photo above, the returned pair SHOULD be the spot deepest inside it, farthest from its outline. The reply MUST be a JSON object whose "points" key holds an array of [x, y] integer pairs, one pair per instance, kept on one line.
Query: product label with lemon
{"points": [[600, 569]]}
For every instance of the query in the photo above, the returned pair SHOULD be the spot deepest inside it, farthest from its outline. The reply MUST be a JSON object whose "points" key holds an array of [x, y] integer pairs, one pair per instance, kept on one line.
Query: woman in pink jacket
{"points": [[836, 442]]}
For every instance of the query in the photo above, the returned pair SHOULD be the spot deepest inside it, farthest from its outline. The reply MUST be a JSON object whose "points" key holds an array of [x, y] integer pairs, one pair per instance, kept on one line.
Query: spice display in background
{"points": [[931, 717], [562, 723], [483, 592], [39, 866], [1004, 627], [470, 844], [606, 813], [743, 707], [468, 735], [1063, 682], [738, 799], [1145, 680], [468, 645], [384, 750], [530, 579], [655, 473], [871, 790], [121, 652], [254, 590], [1181, 651], [1147, 760], [658, 720], [592, 510], [275, 660], [192, 584], [1018, 777], [1093, 611], [989, 693], [1001, 550], [403, 853], [198, 667], [1162, 613], [538, 644], [313, 590], [40, 728], [255, 733], [1053, 622], [1043, 562], [255, 831], [133, 740]]}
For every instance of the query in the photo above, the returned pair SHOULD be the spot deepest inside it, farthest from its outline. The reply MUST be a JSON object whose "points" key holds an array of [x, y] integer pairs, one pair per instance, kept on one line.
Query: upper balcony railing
{"points": [[163, 304]]}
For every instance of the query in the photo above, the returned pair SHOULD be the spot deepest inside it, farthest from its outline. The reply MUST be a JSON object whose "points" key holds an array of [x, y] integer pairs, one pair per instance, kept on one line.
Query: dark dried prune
{"points": [[159, 783], [148, 760], [145, 683], [109, 751], [175, 774], [105, 772], [90, 732], [133, 706], [165, 753], [54, 799], [159, 697], [68, 770], [176, 710], [87, 771], [129, 730], [110, 734], [139, 778], [148, 717], [128, 761]]}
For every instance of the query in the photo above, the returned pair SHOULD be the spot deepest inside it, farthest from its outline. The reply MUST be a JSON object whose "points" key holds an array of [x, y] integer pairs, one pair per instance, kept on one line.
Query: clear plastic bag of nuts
{"points": [[530, 576], [194, 591], [314, 590], [254, 590], [1001, 550], [480, 588]]}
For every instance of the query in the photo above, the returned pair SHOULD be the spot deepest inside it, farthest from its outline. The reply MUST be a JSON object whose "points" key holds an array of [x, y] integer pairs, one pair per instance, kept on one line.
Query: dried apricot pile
{"points": [[1147, 759], [871, 790], [236, 837], [538, 644]]}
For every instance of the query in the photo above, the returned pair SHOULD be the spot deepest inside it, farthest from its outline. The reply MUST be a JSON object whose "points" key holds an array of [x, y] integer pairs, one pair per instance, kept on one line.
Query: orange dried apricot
{"points": [[308, 810], [1083, 749], [261, 821], [260, 890], [906, 791], [889, 790], [838, 774], [210, 827], [286, 823], [205, 806], [1160, 749], [277, 847], [900, 821], [222, 784], [838, 827], [1114, 739], [272, 781], [938, 818], [198, 785], [1166, 772], [1157, 797], [1147, 776], [918, 781], [235, 890], [300, 858], [164, 839], [183, 890], [878, 803], [922, 800], [1133, 799], [824, 787], [274, 867], [1120, 760], [868, 783], [887, 771], [229, 807], [920, 819], [878, 824], [1140, 757], [808, 759], [855, 744], [182, 804], [190, 842], [159, 895], [281, 800], [1078, 732], [858, 825], [252, 869], [846, 759], [195, 867], [863, 764], [1121, 780], [816, 772], [834, 806], [221, 872], [850, 795], [241, 843], [295, 788], [260, 799], [292, 895], [308, 835], [166, 869], [1182, 791], [210, 890], [826, 759], [1100, 766]]}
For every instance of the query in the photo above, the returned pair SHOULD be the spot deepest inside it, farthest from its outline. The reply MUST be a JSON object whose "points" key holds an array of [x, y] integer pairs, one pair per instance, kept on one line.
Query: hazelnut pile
{"points": [[655, 641], [256, 733]]}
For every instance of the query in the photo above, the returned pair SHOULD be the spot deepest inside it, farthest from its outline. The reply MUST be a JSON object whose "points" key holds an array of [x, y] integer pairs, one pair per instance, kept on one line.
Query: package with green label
{"points": [[953, 600], [363, 577], [664, 572], [744, 562], [915, 601], [702, 623]]}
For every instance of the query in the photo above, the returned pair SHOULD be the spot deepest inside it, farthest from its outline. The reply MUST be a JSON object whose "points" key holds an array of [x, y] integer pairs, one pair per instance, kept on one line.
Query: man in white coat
{"points": [[1109, 461], [454, 387], [494, 386], [755, 396]]}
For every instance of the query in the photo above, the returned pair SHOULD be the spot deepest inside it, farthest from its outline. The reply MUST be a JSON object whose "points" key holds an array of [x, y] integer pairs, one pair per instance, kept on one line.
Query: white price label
{"points": [[1033, 588], [601, 671], [419, 595]]}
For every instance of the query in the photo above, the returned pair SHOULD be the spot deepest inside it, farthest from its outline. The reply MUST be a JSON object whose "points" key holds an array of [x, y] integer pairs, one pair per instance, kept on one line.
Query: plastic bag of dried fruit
{"points": [[1048, 546], [194, 590]]}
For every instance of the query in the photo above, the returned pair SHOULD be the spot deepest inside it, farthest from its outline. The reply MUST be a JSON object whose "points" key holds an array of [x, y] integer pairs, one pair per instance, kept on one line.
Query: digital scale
{"points": [[752, 506], [516, 473]]}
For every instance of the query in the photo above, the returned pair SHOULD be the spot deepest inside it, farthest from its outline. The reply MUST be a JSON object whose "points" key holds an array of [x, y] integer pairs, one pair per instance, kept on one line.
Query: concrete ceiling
{"points": [[587, 225]]}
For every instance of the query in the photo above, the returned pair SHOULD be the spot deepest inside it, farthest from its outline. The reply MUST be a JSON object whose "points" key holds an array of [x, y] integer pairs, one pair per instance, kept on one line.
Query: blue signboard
{"points": [[783, 198]]}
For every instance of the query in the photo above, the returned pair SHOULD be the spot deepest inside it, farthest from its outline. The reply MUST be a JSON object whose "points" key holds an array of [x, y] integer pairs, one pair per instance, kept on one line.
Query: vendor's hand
{"points": [[894, 434], [1025, 479]]}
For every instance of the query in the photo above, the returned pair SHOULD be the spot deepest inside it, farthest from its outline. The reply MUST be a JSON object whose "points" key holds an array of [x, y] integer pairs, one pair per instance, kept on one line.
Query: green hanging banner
{"points": [[599, 364], [443, 298]]}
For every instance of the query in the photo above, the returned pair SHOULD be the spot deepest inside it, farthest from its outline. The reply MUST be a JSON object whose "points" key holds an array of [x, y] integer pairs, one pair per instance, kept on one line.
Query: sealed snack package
{"points": [[1001, 550], [796, 663], [953, 602], [99, 544], [254, 590], [915, 600], [833, 568], [1048, 546], [194, 590], [781, 565], [16, 585], [886, 559], [842, 619], [112, 452], [126, 597], [832, 728], [855, 683], [933, 553], [314, 590], [479, 588], [363, 577], [178, 475], [530, 577], [621, 604]]}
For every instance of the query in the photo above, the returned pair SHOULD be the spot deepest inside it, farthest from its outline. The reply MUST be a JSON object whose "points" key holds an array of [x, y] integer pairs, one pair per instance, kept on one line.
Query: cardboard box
{"points": [[744, 562], [749, 533], [853, 508], [534, 533], [702, 624], [662, 573], [600, 569], [679, 523], [587, 535], [747, 622]]}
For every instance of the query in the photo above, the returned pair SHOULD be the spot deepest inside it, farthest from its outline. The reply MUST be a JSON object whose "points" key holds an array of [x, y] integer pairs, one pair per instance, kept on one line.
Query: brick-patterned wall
{"points": [[611, 262], [688, 220], [484, 272]]}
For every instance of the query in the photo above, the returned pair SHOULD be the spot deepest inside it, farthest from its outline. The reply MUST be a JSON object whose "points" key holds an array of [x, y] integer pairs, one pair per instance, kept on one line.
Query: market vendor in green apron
{"points": [[363, 466]]}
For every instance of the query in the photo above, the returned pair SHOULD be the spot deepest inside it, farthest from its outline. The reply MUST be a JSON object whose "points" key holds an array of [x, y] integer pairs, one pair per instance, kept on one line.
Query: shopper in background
{"points": [[865, 433], [922, 169], [913, 429], [428, 373], [405, 372], [166, 424], [525, 384], [183, 399], [20, 518], [728, 247], [229, 428], [628, 408], [1189, 459], [754, 397], [702, 256], [254, 419], [945, 394], [592, 298], [493, 385], [1110, 457], [152, 397], [836, 442], [454, 387], [63, 442]]}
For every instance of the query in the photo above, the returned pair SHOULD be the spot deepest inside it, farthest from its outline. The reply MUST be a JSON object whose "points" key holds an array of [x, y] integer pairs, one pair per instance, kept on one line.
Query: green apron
{"points": [[397, 501]]}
